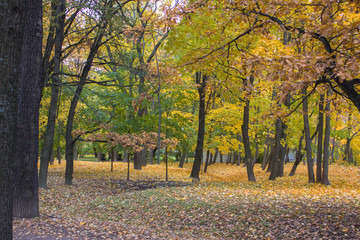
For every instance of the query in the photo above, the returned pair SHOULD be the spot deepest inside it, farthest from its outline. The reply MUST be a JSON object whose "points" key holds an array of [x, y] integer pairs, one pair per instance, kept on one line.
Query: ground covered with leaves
{"points": [[103, 205]]}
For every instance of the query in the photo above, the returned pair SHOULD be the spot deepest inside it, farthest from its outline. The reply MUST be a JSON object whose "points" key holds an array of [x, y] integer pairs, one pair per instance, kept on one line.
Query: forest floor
{"points": [[103, 205]]}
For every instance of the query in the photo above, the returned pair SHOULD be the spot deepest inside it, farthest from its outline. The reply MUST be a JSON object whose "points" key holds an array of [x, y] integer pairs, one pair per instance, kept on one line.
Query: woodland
{"points": [[160, 119]]}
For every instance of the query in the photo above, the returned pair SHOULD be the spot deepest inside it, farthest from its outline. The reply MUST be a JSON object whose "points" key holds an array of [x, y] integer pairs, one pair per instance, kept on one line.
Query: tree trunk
{"points": [[20, 54], [320, 140], [151, 156], [310, 162], [298, 157], [201, 81], [26, 197], [325, 173], [58, 155], [277, 146], [207, 160], [126, 156], [75, 152], [48, 142], [245, 132], [97, 42], [12, 30], [182, 160], [137, 160]]}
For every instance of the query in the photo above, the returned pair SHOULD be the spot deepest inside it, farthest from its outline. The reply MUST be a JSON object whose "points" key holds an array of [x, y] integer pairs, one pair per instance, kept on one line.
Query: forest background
{"points": [[241, 82]]}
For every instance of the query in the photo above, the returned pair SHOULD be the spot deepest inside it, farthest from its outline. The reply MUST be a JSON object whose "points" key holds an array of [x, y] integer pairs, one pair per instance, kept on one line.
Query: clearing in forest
{"points": [[102, 205]]}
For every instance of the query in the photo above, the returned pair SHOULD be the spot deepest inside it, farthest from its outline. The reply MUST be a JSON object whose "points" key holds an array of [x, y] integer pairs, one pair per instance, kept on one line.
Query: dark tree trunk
{"points": [[26, 197], [310, 162], [58, 154], [182, 160], [325, 173], [48, 142], [298, 157], [245, 133], [266, 152], [221, 158], [75, 151], [69, 154], [201, 81], [20, 38], [207, 160], [320, 140], [12, 30], [137, 160], [126, 156], [276, 153], [270, 157], [215, 156], [151, 156]]}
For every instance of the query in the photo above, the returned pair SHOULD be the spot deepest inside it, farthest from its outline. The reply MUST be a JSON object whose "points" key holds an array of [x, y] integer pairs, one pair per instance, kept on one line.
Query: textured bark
{"points": [[182, 160], [201, 81], [298, 157], [320, 140], [310, 162], [12, 29], [48, 142], [26, 198], [207, 160], [276, 153], [245, 134], [325, 173]]}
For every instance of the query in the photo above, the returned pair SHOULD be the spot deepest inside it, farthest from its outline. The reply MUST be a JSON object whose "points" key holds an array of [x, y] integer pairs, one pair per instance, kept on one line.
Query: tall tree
{"points": [[47, 146], [201, 81], [245, 133], [319, 153], [96, 44], [26, 199], [310, 161], [325, 170], [15, 17]]}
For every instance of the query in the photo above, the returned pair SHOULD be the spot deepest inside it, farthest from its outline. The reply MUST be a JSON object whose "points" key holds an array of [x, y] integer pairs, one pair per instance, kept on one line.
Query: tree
{"points": [[201, 81], [245, 133], [47, 147], [26, 199], [310, 161], [20, 25]]}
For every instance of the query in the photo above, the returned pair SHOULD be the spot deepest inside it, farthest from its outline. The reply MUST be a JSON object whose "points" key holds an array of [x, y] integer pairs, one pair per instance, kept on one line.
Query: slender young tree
{"points": [[310, 162], [245, 133], [325, 171], [47, 147], [201, 80], [320, 140]]}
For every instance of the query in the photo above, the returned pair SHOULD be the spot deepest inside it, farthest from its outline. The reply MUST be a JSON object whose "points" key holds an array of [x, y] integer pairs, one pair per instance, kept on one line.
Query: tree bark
{"points": [[325, 172], [12, 31], [201, 81], [207, 160], [320, 140], [276, 153], [298, 157], [26, 197], [48, 142], [310, 162], [245, 134]]}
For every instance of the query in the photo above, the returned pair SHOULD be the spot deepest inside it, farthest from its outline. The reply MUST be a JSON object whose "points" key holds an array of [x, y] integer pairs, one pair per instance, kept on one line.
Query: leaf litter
{"points": [[103, 205]]}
